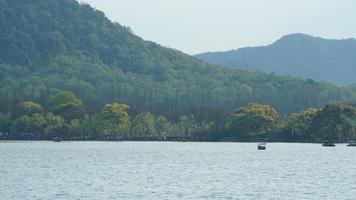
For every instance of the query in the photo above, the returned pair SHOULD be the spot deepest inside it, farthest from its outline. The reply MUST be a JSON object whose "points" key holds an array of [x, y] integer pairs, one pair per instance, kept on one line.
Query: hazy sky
{"points": [[195, 26]]}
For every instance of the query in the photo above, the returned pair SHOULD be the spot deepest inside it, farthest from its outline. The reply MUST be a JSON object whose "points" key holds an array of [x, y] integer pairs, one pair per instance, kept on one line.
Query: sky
{"points": [[196, 26]]}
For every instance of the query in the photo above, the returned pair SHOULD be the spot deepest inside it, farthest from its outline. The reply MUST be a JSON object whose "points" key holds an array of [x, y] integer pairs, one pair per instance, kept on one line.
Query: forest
{"points": [[66, 69], [66, 117]]}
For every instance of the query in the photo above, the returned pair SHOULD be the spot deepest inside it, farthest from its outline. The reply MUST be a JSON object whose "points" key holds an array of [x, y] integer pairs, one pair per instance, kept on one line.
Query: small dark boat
{"points": [[57, 139], [261, 146], [352, 144], [328, 144]]}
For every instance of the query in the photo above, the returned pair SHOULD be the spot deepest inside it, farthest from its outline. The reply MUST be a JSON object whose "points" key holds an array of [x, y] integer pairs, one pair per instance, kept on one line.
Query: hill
{"points": [[49, 46], [297, 55]]}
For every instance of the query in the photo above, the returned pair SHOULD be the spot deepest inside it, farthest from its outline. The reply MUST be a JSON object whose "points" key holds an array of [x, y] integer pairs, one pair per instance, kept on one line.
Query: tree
{"points": [[162, 126], [5, 122], [253, 120], [186, 124], [29, 108], [298, 124], [67, 105], [144, 124], [115, 121], [34, 125], [55, 126], [334, 122], [83, 128], [75, 128]]}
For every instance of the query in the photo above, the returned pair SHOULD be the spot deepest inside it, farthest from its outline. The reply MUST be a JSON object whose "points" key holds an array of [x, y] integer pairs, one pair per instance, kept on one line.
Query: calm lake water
{"points": [[153, 170]]}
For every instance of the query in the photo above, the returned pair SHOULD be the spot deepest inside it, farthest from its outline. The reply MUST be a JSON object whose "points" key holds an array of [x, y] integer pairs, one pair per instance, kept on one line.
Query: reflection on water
{"points": [[152, 170]]}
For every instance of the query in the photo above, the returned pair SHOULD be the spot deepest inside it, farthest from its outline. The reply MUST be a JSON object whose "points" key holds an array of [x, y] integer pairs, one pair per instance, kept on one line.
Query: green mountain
{"points": [[48, 46], [297, 55]]}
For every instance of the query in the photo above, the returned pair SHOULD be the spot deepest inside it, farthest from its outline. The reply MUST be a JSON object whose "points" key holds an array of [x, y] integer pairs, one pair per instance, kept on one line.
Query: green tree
{"points": [[34, 124], [253, 120], [186, 125], [334, 122], [144, 125], [83, 128], [162, 126], [75, 129], [115, 121], [298, 124], [67, 105], [55, 126], [5, 122], [29, 108]]}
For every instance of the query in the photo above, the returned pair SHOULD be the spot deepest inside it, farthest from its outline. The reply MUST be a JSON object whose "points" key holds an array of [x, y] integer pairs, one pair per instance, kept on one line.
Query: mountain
{"points": [[297, 55], [49, 46]]}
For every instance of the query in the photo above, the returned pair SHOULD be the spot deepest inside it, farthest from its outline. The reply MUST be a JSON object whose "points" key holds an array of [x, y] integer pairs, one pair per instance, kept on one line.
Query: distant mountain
{"points": [[296, 55], [48, 46]]}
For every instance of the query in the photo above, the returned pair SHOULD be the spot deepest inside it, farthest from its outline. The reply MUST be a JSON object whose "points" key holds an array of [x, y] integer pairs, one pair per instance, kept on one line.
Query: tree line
{"points": [[335, 121], [68, 118]]}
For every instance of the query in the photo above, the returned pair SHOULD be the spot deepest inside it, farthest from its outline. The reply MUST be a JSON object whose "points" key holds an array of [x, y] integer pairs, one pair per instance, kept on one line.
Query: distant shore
{"points": [[151, 140]]}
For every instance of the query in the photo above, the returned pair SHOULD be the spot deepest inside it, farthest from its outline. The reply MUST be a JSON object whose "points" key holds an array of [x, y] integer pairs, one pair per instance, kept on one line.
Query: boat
{"points": [[57, 139], [352, 144], [328, 144], [261, 146]]}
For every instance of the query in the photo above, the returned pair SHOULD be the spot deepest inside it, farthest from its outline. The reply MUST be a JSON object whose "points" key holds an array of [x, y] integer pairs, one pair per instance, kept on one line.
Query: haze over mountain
{"points": [[297, 55], [48, 46]]}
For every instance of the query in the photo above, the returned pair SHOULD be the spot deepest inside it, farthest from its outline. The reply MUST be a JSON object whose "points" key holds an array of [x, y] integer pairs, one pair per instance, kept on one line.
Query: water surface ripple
{"points": [[154, 170]]}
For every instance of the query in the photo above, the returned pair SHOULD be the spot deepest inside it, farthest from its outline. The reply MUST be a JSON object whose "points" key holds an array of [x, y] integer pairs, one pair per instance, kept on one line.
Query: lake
{"points": [[168, 170]]}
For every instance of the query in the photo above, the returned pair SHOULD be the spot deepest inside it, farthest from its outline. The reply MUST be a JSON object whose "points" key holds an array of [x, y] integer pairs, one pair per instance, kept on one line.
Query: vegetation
{"points": [[336, 121], [253, 120], [50, 46], [299, 124], [115, 120], [63, 65]]}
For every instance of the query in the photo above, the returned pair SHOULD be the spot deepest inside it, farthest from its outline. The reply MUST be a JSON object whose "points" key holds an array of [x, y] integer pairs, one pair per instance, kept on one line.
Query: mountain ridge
{"points": [[53, 46], [298, 55]]}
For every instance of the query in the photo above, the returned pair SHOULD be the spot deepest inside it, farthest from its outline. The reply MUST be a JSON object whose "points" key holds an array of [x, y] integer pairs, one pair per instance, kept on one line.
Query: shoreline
{"points": [[170, 141]]}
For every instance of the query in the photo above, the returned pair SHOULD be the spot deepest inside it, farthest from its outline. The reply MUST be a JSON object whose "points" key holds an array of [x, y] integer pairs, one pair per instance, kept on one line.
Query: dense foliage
{"points": [[335, 121], [253, 120], [63, 65], [116, 121], [49, 46], [296, 55], [112, 123]]}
